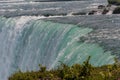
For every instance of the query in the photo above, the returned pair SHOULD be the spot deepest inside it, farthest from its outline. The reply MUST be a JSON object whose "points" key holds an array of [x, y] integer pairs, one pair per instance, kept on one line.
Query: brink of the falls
{"points": [[25, 43]]}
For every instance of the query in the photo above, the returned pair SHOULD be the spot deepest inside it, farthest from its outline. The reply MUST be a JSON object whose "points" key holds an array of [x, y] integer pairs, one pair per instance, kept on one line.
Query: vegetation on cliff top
{"points": [[75, 72], [115, 2]]}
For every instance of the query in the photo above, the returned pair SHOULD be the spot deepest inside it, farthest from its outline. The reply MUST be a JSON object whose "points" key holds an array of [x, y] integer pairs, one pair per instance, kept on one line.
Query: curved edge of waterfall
{"points": [[27, 42]]}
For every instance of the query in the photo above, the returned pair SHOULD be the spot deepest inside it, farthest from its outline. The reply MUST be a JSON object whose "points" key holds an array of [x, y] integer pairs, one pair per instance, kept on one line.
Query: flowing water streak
{"points": [[10, 29], [26, 42]]}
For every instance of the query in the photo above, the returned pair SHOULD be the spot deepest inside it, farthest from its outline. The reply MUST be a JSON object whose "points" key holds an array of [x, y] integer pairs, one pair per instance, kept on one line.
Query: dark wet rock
{"points": [[105, 11], [116, 10], [101, 6], [92, 12], [79, 13], [109, 5]]}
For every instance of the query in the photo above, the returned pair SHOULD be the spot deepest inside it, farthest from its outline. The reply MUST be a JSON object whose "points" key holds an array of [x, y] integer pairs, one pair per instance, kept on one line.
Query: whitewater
{"points": [[28, 38]]}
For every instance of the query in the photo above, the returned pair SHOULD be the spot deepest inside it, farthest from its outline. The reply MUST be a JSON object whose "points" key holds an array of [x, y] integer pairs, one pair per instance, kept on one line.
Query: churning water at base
{"points": [[26, 42]]}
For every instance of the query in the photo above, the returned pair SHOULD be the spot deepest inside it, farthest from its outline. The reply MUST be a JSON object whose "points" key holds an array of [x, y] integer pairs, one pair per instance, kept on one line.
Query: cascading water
{"points": [[26, 42]]}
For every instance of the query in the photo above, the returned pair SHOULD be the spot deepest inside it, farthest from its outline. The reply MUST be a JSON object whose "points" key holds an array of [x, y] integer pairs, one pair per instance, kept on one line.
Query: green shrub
{"points": [[86, 69], [115, 2], [75, 72]]}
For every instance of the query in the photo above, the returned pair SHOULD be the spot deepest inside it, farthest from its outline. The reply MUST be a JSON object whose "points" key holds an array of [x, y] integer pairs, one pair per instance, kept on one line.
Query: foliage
{"points": [[115, 2], [75, 72]]}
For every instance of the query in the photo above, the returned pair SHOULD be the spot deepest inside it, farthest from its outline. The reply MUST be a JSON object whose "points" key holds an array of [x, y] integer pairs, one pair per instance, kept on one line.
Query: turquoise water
{"points": [[26, 42]]}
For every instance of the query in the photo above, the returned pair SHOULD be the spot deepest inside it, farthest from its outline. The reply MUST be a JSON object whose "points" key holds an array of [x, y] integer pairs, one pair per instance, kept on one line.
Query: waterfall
{"points": [[26, 42]]}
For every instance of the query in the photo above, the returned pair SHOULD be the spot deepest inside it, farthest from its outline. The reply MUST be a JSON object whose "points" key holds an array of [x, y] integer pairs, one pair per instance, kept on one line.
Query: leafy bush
{"points": [[75, 72], [115, 2]]}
